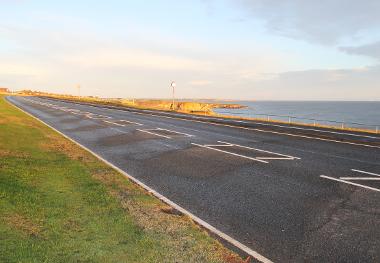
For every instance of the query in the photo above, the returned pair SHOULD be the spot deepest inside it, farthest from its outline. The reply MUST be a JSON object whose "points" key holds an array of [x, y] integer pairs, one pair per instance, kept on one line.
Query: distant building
{"points": [[4, 90]]}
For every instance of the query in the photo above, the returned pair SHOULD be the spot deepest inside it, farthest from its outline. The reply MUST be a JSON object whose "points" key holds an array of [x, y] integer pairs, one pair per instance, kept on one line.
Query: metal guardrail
{"points": [[311, 121]]}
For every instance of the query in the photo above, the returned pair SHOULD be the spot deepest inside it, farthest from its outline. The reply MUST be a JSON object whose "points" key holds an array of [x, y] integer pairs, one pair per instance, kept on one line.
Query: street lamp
{"points": [[173, 85]]}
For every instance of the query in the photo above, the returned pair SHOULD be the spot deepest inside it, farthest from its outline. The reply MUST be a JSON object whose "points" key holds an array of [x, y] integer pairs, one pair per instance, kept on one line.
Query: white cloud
{"points": [[370, 50], [327, 21]]}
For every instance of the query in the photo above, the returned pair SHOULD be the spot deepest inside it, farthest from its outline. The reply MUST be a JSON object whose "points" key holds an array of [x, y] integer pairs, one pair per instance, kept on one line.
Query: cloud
{"points": [[341, 84], [370, 50], [326, 22]]}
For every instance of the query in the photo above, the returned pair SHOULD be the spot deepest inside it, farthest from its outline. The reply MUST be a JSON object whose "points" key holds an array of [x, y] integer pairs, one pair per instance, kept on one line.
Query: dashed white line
{"points": [[114, 123], [360, 178], [364, 172], [160, 135], [231, 153], [162, 129], [350, 183], [260, 150]]}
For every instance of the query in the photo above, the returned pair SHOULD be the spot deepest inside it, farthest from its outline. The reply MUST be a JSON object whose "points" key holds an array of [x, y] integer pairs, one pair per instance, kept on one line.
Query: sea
{"points": [[355, 114]]}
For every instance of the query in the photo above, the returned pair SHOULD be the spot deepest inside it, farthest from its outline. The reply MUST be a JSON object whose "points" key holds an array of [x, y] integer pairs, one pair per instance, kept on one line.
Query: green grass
{"points": [[58, 203]]}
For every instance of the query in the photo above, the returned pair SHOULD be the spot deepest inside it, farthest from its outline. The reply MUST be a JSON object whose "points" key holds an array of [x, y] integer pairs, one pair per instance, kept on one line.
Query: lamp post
{"points": [[173, 85]]}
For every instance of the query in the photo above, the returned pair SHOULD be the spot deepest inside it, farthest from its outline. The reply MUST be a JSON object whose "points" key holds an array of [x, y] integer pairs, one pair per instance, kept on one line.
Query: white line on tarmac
{"points": [[162, 129], [275, 158], [231, 153], [147, 131], [260, 150], [351, 183], [364, 172], [114, 123], [360, 178], [131, 122], [95, 116], [218, 145], [164, 199]]}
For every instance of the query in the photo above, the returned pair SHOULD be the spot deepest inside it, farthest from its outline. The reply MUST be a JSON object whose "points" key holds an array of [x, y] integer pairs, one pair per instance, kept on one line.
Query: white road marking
{"points": [[360, 178], [131, 122], [265, 151], [275, 158], [162, 129], [351, 183], [164, 199], [95, 116], [218, 145], [116, 122], [364, 172], [231, 153], [160, 135]]}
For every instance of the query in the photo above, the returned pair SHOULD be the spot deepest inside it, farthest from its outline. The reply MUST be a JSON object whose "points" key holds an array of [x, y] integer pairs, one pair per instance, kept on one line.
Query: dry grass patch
{"points": [[23, 224], [55, 143]]}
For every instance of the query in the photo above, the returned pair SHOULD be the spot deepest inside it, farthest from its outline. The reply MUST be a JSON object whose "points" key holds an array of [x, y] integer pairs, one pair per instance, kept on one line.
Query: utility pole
{"points": [[173, 85], [78, 87]]}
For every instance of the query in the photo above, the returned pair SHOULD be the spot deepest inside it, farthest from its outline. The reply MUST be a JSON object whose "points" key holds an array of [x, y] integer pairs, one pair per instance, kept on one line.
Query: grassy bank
{"points": [[58, 203]]}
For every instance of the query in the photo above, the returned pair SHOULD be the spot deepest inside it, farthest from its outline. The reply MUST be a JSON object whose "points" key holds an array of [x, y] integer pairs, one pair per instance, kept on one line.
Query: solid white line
{"points": [[167, 137], [260, 150], [188, 135], [347, 182], [364, 172], [235, 154], [94, 116], [246, 128], [131, 122], [114, 123], [361, 178], [275, 158], [218, 145], [196, 219]]}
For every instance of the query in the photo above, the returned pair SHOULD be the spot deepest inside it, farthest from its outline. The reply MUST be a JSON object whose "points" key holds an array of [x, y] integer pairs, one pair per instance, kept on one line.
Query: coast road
{"points": [[280, 193]]}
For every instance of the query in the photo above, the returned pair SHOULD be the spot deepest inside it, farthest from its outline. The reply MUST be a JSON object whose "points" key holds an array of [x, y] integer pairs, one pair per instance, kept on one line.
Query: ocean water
{"points": [[358, 114]]}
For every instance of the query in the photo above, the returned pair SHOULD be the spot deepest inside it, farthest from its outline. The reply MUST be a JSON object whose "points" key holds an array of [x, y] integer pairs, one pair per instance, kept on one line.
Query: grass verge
{"points": [[58, 203]]}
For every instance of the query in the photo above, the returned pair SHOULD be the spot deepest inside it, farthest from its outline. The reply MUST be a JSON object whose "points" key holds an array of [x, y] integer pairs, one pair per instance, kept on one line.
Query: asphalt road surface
{"points": [[292, 194]]}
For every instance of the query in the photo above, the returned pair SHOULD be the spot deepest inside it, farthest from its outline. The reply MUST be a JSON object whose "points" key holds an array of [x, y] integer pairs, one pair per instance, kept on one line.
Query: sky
{"points": [[227, 49]]}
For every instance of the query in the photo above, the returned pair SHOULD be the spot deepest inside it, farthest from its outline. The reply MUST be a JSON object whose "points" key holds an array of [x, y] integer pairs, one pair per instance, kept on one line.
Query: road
{"points": [[290, 194]]}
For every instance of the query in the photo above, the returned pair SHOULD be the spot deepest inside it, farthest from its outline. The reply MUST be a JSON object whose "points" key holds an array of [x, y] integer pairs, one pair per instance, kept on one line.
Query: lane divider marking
{"points": [[364, 172], [231, 153], [350, 183], [182, 133], [117, 122], [148, 131], [264, 151], [360, 178]]}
